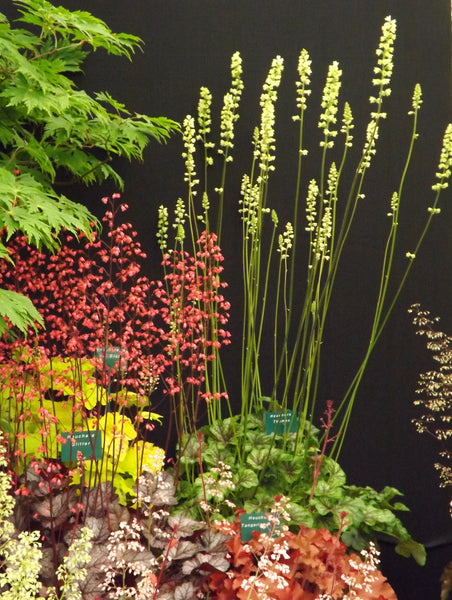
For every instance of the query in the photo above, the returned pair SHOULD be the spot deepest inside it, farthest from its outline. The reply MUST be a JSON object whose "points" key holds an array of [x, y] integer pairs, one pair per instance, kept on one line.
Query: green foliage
{"points": [[54, 397], [19, 311], [53, 133], [30, 206], [272, 466]]}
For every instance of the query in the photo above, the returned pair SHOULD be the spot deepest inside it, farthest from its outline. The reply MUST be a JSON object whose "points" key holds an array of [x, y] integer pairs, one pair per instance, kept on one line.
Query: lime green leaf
{"points": [[93, 395], [151, 416], [124, 488], [67, 418], [6, 426]]}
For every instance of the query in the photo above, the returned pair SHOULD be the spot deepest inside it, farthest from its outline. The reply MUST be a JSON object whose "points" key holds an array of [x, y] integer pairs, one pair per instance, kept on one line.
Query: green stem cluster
{"points": [[271, 257]]}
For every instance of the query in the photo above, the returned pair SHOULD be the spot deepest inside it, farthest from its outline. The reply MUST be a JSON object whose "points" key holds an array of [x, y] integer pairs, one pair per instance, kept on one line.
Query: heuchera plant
{"points": [[433, 403], [195, 313], [91, 298], [315, 483], [94, 299], [111, 336], [300, 259], [96, 305], [143, 552], [232, 458], [311, 564]]}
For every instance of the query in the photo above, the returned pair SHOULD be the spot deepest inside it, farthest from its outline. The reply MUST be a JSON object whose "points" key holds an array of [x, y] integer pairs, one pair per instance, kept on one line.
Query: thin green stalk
{"points": [[303, 91], [351, 392], [381, 316]]}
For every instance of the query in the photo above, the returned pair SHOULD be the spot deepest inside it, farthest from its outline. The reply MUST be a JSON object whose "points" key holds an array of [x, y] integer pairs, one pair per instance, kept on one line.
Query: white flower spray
{"points": [[383, 73], [265, 150], [72, 571], [303, 83], [329, 104], [445, 162], [189, 139], [285, 241], [162, 228], [229, 112]]}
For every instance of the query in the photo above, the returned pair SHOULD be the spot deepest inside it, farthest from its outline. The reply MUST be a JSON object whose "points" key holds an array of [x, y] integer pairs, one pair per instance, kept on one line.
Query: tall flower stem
{"points": [[382, 314]]}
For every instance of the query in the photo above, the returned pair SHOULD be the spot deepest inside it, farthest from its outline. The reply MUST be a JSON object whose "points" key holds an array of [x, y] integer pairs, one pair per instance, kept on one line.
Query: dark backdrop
{"points": [[188, 44]]}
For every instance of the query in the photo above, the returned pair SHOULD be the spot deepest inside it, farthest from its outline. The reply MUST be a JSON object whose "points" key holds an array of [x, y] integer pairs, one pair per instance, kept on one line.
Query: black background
{"points": [[188, 44]]}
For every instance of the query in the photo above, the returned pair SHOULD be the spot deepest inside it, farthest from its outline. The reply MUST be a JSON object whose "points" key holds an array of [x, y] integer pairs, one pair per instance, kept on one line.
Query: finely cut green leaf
{"points": [[18, 310], [28, 206], [49, 126]]}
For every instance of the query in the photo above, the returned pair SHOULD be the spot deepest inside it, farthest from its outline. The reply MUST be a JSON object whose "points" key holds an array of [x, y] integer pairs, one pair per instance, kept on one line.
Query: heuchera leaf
{"points": [[215, 453], [245, 478], [414, 549], [184, 591], [222, 431]]}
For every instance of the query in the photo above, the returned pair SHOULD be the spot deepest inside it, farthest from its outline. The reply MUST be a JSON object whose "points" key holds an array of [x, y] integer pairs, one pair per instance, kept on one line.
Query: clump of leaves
{"points": [[25, 564], [51, 132], [149, 553], [210, 478], [117, 550], [310, 564]]}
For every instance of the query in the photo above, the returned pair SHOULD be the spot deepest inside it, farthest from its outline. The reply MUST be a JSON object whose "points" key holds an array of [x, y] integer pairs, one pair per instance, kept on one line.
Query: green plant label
{"points": [[88, 443], [281, 422], [112, 357], [253, 522]]}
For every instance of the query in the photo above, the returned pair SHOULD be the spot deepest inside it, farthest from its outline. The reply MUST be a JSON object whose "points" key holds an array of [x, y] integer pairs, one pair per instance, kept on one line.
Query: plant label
{"points": [[112, 357], [253, 522], [281, 422], [88, 443]]}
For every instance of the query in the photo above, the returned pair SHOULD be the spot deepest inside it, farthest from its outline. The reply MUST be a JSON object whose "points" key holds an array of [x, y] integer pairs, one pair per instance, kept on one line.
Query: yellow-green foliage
{"points": [[56, 396]]}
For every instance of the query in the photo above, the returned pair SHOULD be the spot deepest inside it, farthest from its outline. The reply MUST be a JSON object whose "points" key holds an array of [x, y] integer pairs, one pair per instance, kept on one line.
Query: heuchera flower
{"points": [[92, 295], [195, 313]]}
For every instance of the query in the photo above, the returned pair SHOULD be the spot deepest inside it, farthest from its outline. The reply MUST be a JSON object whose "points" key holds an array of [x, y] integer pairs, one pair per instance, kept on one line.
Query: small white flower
{"points": [[229, 112], [162, 227], [311, 205], [189, 139]]}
